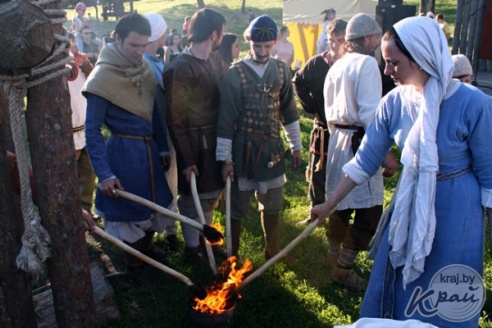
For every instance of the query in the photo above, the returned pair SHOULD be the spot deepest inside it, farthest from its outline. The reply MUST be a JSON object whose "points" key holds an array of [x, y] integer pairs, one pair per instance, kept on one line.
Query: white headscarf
{"points": [[414, 220]]}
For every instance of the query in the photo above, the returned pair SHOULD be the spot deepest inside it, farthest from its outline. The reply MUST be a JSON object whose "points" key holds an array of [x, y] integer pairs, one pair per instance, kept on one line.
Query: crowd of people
{"points": [[177, 112]]}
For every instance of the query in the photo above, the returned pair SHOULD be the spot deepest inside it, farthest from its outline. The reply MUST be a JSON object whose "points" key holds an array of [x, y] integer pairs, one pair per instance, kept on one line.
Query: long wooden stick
{"points": [[199, 210], [159, 209], [208, 232], [280, 254], [228, 217], [127, 248]]}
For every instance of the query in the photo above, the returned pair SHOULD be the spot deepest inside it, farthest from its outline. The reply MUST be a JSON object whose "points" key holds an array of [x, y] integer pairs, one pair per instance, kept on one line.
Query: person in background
{"points": [[444, 26], [229, 48], [192, 84], [284, 49], [184, 39], [434, 226], [90, 47], [251, 16], [329, 15], [120, 95], [352, 91], [256, 102], [174, 49], [79, 21], [157, 38], [186, 23], [462, 68], [80, 68], [308, 85], [169, 37]]}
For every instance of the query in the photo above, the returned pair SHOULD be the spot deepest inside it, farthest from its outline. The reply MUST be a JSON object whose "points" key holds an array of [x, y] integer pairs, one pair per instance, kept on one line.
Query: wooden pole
{"points": [[49, 126], [465, 26], [472, 29], [16, 306], [478, 35], [457, 27]]}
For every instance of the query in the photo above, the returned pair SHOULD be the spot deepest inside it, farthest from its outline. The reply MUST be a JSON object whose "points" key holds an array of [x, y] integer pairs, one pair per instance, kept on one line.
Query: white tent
{"points": [[304, 19]]}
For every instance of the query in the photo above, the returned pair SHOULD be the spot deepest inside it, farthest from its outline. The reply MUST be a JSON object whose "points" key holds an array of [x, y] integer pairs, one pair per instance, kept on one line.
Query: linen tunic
{"points": [[463, 141], [125, 158], [352, 92]]}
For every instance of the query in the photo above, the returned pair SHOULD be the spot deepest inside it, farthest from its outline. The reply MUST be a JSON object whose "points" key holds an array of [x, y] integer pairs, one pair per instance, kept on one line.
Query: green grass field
{"points": [[286, 295]]}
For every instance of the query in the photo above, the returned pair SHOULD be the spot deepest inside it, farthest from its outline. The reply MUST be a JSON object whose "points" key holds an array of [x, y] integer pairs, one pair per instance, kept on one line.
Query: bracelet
{"points": [[228, 162]]}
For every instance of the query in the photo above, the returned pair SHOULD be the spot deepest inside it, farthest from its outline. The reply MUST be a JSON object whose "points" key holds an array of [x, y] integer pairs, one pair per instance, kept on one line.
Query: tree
{"points": [[201, 3], [427, 5], [48, 121], [243, 7]]}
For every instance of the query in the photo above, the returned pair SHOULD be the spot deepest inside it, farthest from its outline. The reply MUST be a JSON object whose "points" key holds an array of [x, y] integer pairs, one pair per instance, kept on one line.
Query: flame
{"points": [[222, 294], [220, 229]]}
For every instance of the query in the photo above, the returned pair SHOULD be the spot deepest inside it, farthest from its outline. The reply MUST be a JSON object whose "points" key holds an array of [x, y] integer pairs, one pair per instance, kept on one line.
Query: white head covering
{"points": [[430, 14], [361, 25], [413, 221], [158, 26], [462, 66]]}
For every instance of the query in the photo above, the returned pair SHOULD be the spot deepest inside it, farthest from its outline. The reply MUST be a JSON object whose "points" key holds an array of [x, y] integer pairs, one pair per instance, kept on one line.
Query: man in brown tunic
{"points": [[192, 83]]}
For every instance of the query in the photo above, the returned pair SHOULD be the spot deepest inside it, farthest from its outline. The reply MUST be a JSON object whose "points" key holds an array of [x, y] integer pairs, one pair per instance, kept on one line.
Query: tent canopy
{"points": [[304, 19], [309, 11]]}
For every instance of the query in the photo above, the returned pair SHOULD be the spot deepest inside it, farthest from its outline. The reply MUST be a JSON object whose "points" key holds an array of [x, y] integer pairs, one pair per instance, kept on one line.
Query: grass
{"points": [[286, 295]]}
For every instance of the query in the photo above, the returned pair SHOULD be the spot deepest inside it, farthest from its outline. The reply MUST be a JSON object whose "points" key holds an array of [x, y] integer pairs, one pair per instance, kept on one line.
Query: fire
{"points": [[220, 229], [222, 295]]}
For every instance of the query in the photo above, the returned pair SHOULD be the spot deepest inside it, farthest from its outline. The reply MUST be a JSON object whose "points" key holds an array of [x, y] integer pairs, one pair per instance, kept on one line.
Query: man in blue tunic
{"points": [[120, 95]]}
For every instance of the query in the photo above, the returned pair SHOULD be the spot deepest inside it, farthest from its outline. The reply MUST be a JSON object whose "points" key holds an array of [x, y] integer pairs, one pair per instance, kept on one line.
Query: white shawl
{"points": [[413, 222]]}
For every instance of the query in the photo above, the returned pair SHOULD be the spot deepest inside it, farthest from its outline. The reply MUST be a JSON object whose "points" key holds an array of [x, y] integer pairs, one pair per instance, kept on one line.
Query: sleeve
{"points": [[288, 109], [160, 133], [96, 113], [177, 83], [480, 135], [368, 97], [229, 109], [230, 104], [302, 88]]}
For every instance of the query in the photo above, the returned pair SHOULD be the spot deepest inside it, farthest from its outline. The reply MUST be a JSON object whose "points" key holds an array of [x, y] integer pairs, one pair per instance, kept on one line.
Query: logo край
{"points": [[456, 293]]}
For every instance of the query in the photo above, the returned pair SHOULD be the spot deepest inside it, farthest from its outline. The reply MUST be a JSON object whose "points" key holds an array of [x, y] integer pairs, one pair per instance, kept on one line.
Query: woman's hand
{"points": [[321, 212]]}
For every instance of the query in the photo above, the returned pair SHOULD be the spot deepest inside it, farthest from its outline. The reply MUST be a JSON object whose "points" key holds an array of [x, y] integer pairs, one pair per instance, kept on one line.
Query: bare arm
{"points": [[322, 211], [167, 55]]}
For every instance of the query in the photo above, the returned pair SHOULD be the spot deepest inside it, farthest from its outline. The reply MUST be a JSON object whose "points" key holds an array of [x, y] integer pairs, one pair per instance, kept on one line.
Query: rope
{"points": [[35, 240]]}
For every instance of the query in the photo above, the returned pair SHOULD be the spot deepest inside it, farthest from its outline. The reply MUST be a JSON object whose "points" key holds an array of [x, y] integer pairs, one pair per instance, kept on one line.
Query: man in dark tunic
{"points": [[308, 85], [192, 84], [256, 102]]}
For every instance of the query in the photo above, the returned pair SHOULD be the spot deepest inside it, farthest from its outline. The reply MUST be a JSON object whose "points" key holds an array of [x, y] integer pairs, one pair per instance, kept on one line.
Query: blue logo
{"points": [[456, 294]]}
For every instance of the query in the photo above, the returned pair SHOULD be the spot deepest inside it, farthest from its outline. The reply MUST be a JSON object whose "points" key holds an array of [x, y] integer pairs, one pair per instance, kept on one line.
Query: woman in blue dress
{"points": [[429, 263]]}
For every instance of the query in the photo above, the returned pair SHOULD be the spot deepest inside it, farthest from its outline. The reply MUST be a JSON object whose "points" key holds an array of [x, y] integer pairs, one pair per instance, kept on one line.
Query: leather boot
{"points": [[235, 236], [349, 278], [269, 222], [144, 245]]}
